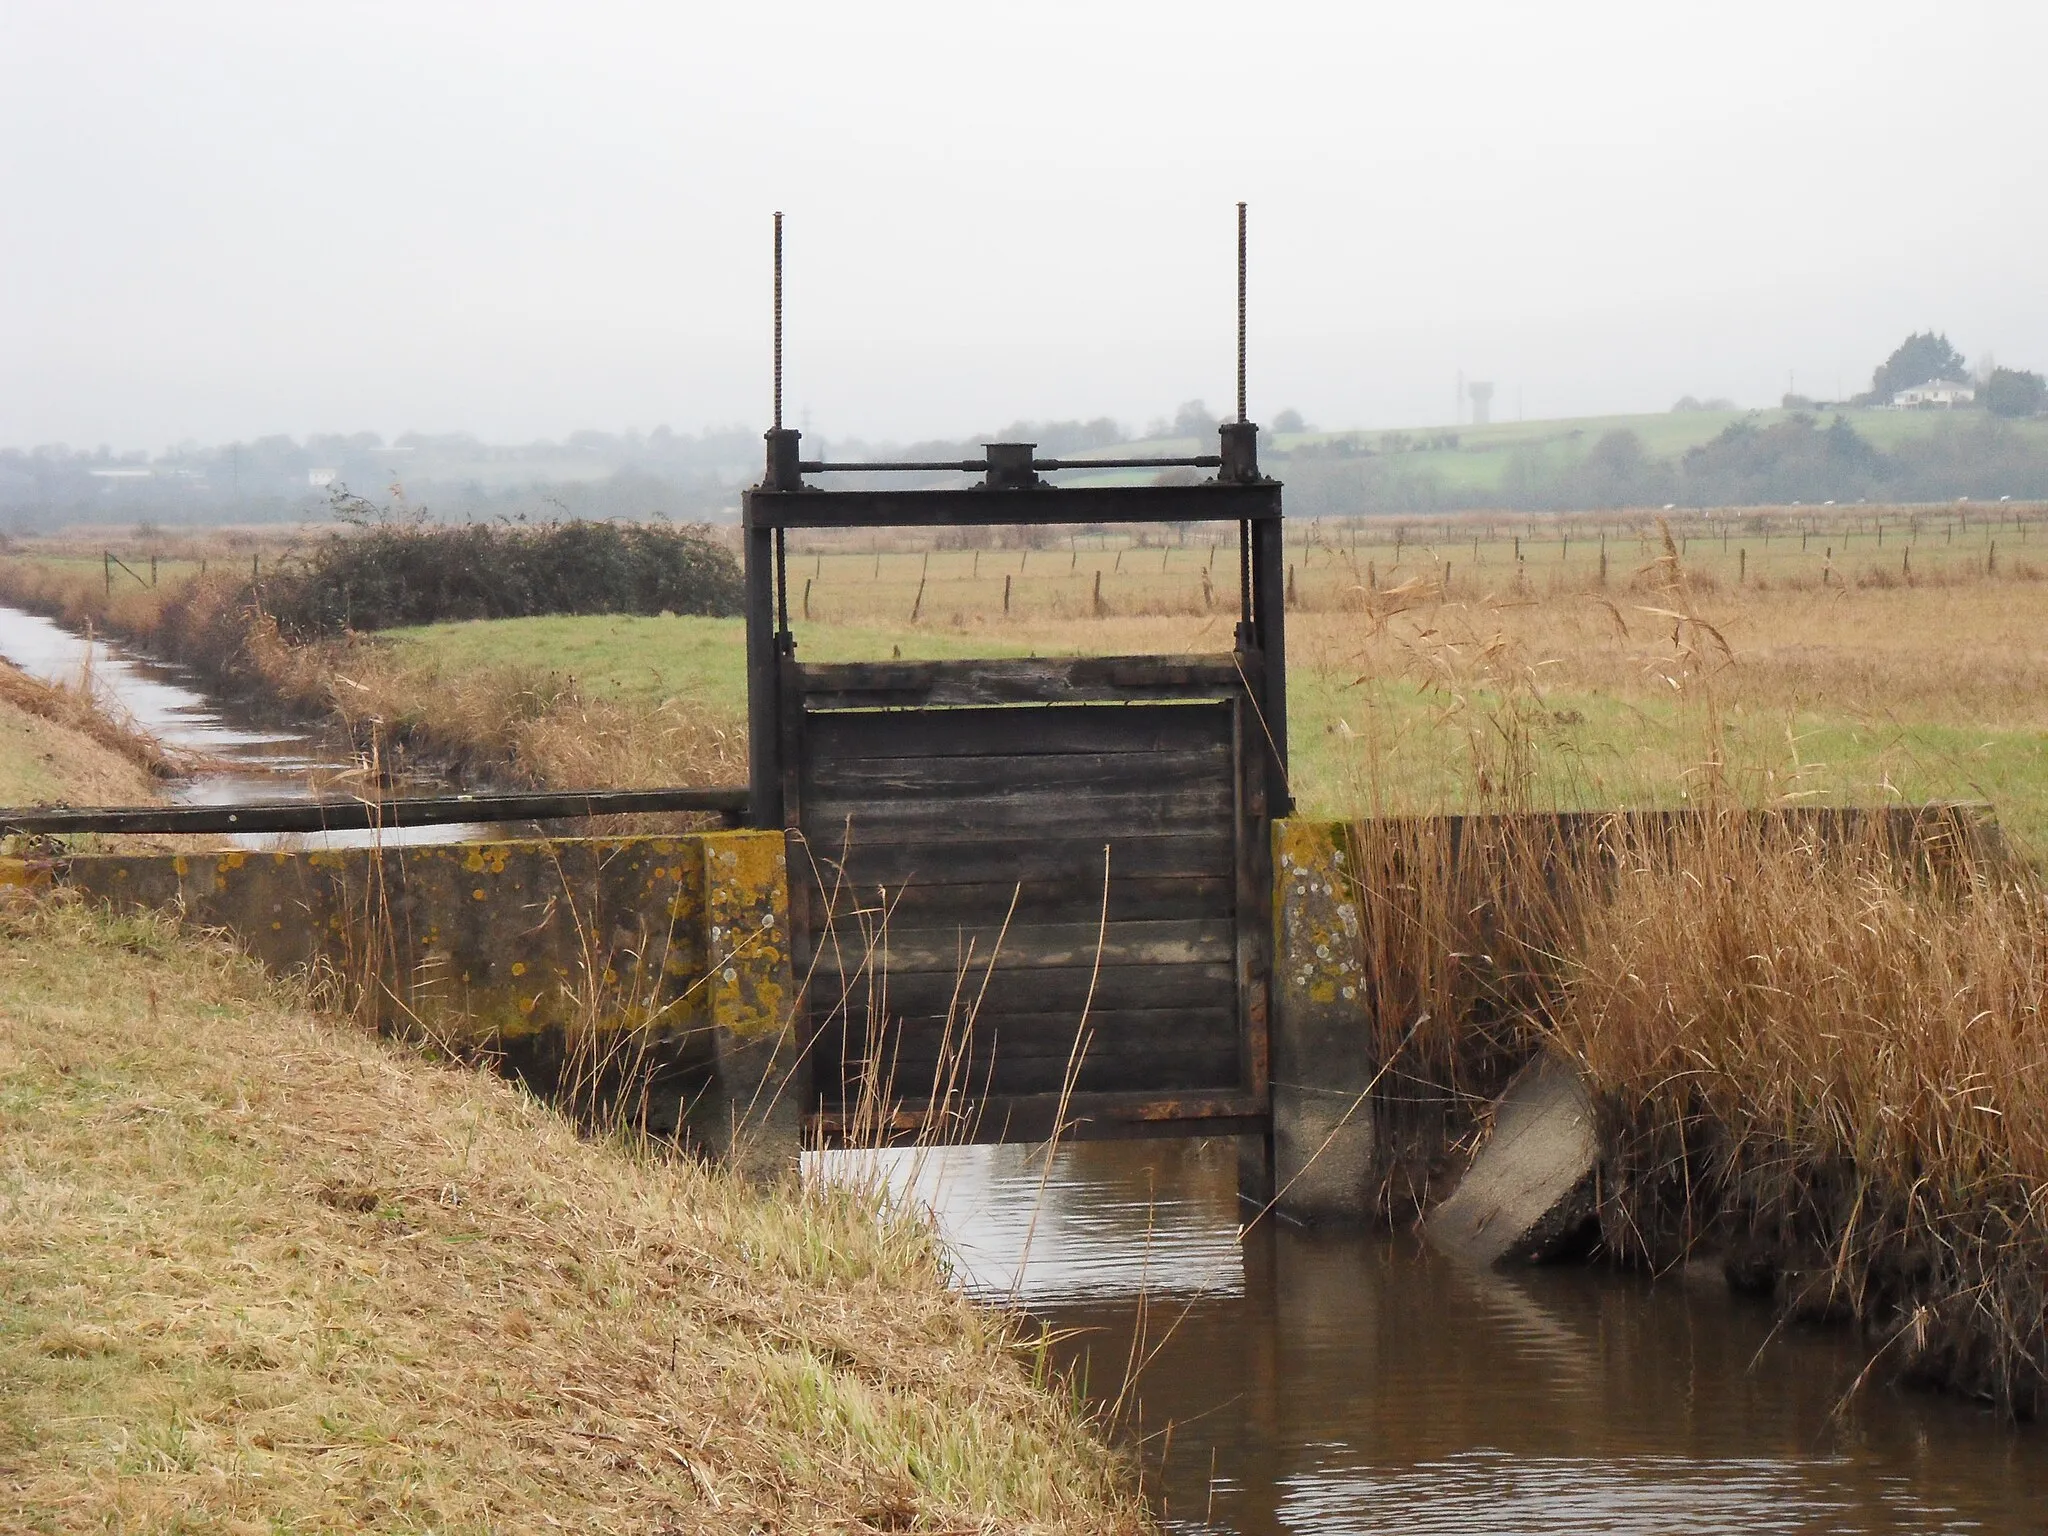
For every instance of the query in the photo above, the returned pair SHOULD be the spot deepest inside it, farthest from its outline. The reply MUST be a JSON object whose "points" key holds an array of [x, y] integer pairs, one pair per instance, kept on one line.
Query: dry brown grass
{"points": [[82, 712], [1832, 1058], [44, 760], [268, 1272]]}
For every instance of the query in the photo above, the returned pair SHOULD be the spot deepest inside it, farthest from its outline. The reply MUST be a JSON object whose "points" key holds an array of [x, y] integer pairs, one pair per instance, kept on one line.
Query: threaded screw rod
{"points": [[778, 322], [1241, 416]]}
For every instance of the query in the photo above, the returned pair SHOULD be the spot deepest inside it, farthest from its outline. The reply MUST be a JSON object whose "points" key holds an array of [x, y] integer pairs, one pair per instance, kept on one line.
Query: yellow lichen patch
{"points": [[1315, 915], [747, 896]]}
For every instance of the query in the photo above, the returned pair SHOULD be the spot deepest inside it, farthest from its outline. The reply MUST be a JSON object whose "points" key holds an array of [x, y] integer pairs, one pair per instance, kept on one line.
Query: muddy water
{"points": [[166, 701], [1352, 1382], [1348, 1382]]}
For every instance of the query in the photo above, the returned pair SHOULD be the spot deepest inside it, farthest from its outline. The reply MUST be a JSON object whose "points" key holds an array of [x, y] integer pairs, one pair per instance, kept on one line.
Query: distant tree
{"points": [[1797, 403], [1194, 420], [1918, 359], [2014, 392], [1616, 472], [1616, 455], [1289, 420]]}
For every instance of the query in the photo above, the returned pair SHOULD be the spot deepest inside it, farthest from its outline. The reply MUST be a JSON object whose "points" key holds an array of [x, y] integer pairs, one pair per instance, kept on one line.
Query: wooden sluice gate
{"points": [[1027, 893], [977, 900]]}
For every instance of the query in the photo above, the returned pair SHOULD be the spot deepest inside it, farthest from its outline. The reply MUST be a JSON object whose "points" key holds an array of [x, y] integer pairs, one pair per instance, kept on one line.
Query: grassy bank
{"points": [[266, 1271], [520, 721], [57, 748]]}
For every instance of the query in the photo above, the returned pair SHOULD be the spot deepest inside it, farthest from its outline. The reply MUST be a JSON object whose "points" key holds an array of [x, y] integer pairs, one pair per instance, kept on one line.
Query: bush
{"points": [[2014, 392], [383, 573]]}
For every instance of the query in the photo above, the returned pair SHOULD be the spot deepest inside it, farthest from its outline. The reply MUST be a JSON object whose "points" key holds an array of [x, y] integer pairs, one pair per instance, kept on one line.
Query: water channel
{"points": [[1347, 1381], [246, 762]]}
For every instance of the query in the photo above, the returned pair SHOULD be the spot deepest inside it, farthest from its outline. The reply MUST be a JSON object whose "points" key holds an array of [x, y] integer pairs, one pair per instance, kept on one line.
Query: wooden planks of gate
{"points": [[1005, 900]]}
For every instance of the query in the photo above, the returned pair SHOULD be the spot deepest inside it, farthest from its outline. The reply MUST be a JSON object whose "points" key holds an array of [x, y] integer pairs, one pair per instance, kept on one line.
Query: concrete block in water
{"points": [[1533, 1187]]}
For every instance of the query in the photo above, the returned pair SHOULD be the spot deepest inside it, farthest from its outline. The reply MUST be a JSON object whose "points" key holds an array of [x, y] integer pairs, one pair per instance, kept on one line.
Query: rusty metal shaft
{"points": [[1241, 416]]}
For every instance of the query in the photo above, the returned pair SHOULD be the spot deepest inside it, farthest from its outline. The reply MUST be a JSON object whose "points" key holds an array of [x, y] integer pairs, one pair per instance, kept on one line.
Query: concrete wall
{"points": [[573, 960], [658, 964]]}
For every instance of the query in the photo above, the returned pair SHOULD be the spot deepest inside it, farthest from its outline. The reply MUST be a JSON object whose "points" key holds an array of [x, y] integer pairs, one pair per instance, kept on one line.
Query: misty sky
{"points": [[224, 220]]}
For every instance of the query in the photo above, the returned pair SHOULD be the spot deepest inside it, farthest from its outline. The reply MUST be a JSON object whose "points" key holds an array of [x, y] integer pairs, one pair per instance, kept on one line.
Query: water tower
{"points": [[1480, 394]]}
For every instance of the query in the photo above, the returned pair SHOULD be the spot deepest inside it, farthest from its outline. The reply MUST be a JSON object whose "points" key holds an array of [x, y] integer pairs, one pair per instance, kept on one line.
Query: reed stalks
{"points": [[1816, 1038]]}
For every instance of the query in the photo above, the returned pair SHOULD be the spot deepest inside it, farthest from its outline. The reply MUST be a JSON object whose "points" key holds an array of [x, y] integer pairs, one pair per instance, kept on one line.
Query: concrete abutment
{"points": [[647, 976], [665, 964]]}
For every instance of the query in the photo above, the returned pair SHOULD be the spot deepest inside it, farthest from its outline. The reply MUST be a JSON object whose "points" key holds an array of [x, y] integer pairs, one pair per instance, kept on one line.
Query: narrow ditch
{"points": [[1335, 1380]]}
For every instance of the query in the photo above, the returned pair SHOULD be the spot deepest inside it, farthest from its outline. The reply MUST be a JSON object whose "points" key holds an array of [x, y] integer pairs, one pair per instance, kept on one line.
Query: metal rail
{"points": [[364, 815], [979, 466]]}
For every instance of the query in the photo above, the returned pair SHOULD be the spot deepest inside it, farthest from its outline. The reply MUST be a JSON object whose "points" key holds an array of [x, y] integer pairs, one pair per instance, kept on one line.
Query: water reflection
{"points": [[1353, 1382], [163, 700]]}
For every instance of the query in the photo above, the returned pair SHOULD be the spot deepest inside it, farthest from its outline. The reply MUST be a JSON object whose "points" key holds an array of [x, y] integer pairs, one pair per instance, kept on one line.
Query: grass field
{"points": [[1804, 666], [1476, 464]]}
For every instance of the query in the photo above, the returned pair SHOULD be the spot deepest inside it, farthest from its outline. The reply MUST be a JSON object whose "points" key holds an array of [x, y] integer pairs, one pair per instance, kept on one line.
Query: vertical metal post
{"points": [[1241, 416], [767, 613], [1269, 622], [778, 320], [764, 725]]}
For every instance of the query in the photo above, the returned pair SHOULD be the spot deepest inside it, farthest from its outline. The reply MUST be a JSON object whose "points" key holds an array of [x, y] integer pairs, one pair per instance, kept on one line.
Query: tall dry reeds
{"points": [[1828, 1057], [1816, 1036]]}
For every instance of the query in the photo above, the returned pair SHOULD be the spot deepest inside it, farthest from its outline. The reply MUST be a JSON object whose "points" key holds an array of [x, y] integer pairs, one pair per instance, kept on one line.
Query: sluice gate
{"points": [[1033, 891]]}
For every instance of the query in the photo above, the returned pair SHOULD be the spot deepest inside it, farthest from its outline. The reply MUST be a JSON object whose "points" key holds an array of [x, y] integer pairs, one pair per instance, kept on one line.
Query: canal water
{"points": [[1282, 1380], [1290, 1380], [249, 763]]}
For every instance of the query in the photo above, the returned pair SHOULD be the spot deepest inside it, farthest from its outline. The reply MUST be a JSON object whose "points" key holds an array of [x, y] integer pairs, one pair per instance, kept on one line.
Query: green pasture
{"points": [[1479, 460], [1359, 745]]}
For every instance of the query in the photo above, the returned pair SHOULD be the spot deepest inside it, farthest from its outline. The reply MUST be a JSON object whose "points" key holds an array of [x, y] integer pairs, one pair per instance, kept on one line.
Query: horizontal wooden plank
{"points": [[1083, 1117], [1072, 814], [1055, 989], [1048, 728], [1180, 1071], [1015, 680], [1032, 946], [1122, 1031], [1001, 773], [1072, 899], [967, 858]]}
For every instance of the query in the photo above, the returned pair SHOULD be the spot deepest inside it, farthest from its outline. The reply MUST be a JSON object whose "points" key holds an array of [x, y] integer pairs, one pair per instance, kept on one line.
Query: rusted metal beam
{"points": [[976, 506], [354, 815], [980, 466]]}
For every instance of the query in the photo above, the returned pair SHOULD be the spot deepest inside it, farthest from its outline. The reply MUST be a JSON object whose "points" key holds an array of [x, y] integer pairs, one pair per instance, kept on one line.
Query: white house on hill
{"points": [[1935, 394]]}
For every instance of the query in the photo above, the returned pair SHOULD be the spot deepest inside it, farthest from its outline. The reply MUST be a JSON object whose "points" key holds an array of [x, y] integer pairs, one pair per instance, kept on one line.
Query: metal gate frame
{"points": [[1012, 492]]}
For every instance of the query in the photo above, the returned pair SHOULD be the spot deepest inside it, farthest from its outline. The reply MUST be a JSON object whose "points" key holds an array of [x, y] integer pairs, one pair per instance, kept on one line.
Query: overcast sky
{"points": [[224, 220]]}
